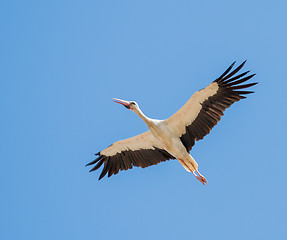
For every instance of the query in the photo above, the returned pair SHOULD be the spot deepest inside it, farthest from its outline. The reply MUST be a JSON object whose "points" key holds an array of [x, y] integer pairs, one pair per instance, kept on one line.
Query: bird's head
{"points": [[132, 105]]}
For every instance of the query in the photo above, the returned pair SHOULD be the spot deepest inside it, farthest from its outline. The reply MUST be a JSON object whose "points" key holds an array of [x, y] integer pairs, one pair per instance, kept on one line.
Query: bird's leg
{"points": [[193, 169], [201, 178]]}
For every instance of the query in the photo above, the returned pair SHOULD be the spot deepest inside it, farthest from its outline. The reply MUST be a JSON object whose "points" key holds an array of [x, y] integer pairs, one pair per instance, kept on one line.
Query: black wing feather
{"points": [[127, 159], [214, 106]]}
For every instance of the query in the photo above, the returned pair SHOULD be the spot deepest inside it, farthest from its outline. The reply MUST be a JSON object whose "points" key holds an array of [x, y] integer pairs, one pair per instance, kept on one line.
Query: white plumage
{"points": [[174, 137], [142, 141]]}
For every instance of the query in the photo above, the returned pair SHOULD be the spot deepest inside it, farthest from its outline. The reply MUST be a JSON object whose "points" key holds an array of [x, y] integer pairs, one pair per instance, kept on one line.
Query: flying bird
{"points": [[173, 138]]}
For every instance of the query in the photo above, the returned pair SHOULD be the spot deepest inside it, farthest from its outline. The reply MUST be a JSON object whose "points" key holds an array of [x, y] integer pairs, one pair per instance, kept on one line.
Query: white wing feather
{"points": [[145, 140], [190, 110]]}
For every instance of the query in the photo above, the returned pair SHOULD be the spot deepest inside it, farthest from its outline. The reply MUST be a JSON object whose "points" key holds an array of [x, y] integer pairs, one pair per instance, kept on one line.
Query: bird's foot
{"points": [[202, 179]]}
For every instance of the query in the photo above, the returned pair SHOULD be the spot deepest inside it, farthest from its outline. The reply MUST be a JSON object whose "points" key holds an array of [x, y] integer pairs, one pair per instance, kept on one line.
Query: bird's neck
{"points": [[146, 119]]}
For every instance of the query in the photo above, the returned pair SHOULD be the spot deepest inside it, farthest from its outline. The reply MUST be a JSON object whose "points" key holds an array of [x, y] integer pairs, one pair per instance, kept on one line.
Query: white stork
{"points": [[174, 137]]}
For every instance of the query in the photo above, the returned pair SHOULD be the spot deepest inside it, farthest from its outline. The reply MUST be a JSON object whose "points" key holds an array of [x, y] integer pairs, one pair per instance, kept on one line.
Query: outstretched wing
{"points": [[141, 151], [205, 108]]}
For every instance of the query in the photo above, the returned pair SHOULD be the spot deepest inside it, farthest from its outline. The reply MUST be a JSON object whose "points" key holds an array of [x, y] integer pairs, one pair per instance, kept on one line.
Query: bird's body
{"points": [[174, 137], [170, 141]]}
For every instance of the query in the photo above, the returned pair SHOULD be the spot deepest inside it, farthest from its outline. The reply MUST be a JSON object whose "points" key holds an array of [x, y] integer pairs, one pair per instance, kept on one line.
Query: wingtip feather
{"points": [[101, 176], [234, 71], [226, 71], [94, 161]]}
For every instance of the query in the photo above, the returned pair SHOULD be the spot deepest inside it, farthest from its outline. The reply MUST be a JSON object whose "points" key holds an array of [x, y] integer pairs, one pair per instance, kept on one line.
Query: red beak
{"points": [[123, 102]]}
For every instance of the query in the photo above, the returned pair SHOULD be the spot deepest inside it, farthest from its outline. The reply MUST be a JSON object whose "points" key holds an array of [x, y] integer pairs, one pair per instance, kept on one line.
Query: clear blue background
{"points": [[61, 62]]}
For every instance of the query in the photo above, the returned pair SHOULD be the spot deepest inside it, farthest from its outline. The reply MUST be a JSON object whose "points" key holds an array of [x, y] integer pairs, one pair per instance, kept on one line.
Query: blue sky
{"points": [[61, 64]]}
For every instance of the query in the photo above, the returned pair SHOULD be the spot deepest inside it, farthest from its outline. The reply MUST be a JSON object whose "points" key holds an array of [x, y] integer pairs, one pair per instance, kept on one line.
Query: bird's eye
{"points": [[133, 103]]}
